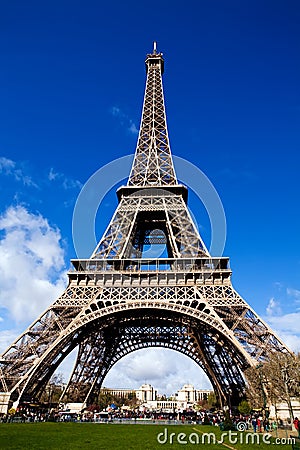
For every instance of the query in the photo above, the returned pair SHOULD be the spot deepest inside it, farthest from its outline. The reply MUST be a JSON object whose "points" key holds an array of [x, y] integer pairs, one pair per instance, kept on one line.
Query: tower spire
{"points": [[154, 48], [153, 163]]}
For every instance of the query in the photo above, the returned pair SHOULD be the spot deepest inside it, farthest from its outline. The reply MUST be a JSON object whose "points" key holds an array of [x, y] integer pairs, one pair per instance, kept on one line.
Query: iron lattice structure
{"points": [[123, 298]]}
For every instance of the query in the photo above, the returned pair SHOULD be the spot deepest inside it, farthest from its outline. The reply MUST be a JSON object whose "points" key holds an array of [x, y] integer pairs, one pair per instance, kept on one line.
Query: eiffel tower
{"points": [[123, 298]]}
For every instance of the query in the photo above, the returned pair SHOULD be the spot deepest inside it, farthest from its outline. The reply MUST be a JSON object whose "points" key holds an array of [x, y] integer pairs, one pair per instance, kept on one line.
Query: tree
{"points": [[104, 399], [275, 380], [228, 424], [244, 407], [131, 400], [209, 401], [212, 400], [53, 389]]}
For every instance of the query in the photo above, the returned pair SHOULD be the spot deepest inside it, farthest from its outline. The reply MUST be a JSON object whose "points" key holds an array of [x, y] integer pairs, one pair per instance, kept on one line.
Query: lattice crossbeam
{"points": [[118, 240]]}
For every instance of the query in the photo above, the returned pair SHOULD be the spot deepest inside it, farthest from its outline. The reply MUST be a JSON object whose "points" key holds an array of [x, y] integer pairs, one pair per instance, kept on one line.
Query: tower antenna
{"points": [[154, 47]]}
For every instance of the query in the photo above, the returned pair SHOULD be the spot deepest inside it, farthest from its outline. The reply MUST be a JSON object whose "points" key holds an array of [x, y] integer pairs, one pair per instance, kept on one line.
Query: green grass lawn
{"points": [[67, 436]]}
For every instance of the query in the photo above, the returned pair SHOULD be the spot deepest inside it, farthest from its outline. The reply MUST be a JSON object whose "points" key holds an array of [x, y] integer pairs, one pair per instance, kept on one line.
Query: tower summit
{"points": [[124, 298], [153, 163]]}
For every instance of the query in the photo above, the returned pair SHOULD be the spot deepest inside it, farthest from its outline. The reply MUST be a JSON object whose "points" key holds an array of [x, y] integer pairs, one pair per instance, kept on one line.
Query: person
{"points": [[297, 426], [259, 424], [254, 424], [266, 425]]}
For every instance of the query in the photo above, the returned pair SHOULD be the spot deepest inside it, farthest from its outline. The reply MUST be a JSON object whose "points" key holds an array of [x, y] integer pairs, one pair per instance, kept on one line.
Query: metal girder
{"points": [[97, 329], [149, 209], [136, 330]]}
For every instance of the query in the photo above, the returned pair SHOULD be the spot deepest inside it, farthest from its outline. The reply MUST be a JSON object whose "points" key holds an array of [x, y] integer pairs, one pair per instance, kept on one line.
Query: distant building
{"points": [[281, 410], [166, 406], [146, 393], [184, 399], [191, 395], [121, 392]]}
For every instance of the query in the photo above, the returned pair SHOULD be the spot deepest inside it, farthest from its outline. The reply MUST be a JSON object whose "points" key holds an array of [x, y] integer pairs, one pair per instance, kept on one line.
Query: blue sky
{"points": [[71, 88]]}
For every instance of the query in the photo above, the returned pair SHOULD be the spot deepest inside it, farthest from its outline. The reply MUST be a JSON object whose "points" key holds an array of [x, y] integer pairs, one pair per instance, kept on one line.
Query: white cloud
{"points": [[165, 370], [133, 129], [7, 337], [10, 168], [6, 165], [285, 324], [287, 328], [125, 120], [31, 264], [116, 111], [279, 285], [291, 340], [66, 182], [273, 308], [295, 293], [69, 183], [52, 175]]}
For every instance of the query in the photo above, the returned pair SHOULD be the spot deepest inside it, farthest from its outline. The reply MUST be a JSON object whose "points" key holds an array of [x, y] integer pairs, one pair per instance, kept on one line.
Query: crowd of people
{"points": [[252, 422]]}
